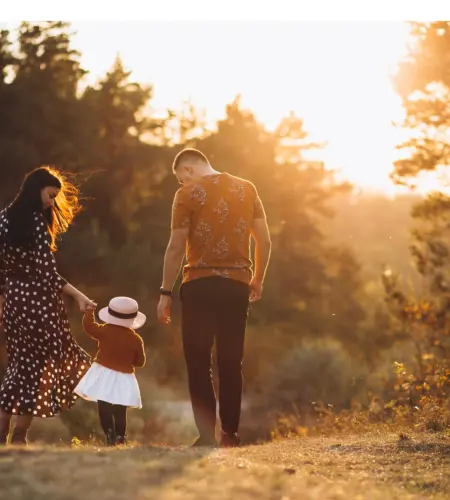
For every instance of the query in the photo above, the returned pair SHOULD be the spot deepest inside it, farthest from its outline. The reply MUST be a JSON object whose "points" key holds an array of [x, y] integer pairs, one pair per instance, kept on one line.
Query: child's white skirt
{"points": [[103, 384]]}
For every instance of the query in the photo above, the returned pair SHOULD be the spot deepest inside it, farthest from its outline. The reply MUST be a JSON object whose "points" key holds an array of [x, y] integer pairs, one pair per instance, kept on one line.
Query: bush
{"points": [[316, 374]]}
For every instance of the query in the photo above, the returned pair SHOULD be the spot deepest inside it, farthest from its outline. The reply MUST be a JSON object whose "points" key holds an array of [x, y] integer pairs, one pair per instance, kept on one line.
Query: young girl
{"points": [[110, 381]]}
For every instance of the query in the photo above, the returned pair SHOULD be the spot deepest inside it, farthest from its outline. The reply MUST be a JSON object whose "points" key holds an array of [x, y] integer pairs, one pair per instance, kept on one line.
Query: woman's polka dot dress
{"points": [[44, 362]]}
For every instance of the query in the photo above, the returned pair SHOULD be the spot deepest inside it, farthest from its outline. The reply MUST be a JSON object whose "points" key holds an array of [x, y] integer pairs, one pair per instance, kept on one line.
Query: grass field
{"points": [[354, 467]]}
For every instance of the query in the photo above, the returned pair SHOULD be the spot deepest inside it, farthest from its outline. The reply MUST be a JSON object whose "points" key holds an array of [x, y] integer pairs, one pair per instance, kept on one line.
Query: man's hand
{"points": [[163, 310], [256, 289]]}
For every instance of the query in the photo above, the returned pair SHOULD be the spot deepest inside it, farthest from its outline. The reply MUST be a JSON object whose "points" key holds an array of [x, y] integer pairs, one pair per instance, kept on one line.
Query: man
{"points": [[213, 217]]}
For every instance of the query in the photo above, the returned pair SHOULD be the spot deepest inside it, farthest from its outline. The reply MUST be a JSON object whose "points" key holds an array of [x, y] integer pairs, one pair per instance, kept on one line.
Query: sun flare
{"points": [[334, 75]]}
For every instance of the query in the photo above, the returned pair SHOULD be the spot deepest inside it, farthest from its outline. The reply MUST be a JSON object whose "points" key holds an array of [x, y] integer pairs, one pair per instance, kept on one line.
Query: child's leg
{"points": [[106, 415], [120, 419]]}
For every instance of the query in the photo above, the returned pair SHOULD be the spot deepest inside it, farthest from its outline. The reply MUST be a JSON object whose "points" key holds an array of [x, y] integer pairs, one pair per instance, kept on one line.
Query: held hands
{"points": [[91, 307], [85, 304]]}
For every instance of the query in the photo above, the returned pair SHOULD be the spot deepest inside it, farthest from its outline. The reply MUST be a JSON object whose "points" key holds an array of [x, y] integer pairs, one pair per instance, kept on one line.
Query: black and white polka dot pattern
{"points": [[44, 362]]}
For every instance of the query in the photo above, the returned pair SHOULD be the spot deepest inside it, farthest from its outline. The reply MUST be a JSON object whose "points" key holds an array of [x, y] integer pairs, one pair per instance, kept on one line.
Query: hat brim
{"points": [[133, 323]]}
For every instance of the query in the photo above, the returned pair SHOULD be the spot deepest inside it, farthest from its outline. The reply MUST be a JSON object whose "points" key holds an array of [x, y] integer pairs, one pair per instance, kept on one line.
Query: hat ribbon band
{"points": [[119, 315]]}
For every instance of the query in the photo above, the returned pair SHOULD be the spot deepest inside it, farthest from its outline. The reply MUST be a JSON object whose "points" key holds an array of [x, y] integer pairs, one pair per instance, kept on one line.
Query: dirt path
{"points": [[356, 467]]}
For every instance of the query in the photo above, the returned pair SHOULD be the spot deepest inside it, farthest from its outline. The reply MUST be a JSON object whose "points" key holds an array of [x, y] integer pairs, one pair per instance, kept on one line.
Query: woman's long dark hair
{"points": [[28, 201]]}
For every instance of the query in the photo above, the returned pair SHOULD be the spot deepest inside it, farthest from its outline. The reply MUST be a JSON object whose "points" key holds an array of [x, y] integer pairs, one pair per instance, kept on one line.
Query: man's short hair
{"points": [[188, 154]]}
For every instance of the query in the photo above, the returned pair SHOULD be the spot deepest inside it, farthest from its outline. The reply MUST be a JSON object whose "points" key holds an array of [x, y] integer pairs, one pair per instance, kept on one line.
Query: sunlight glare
{"points": [[336, 76]]}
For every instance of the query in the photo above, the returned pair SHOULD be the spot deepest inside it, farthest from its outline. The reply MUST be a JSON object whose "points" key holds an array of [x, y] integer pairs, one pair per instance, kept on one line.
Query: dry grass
{"points": [[364, 467]]}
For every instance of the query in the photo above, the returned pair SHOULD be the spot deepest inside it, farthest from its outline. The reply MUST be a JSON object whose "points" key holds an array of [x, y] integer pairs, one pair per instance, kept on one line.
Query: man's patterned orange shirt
{"points": [[219, 211]]}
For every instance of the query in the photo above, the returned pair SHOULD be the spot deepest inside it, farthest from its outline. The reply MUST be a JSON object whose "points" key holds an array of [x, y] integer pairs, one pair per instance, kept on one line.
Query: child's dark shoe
{"points": [[121, 440], [110, 438]]}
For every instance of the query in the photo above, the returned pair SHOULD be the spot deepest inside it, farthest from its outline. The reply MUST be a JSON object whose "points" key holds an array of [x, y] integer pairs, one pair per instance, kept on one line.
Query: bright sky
{"points": [[335, 75]]}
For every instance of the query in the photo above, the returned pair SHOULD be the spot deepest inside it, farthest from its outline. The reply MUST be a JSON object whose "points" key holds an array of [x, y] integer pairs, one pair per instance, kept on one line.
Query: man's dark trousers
{"points": [[214, 309]]}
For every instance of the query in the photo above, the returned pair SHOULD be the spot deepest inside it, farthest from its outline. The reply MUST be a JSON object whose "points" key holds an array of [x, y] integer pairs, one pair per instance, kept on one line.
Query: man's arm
{"points": [[263, 247], [173, 258], [175, 251], [176, 248]]}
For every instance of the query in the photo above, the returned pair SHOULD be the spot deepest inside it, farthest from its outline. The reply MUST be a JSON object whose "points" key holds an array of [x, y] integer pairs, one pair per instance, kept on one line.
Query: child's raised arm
{"points": [[93, 329], [139, 356]]}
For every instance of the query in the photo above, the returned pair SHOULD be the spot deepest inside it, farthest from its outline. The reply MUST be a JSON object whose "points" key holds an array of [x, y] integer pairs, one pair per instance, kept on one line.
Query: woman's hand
{"points": [[81, 299], [85, 304]]}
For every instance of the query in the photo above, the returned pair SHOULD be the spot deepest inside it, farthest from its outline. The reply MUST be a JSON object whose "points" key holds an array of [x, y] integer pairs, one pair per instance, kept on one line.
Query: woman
{"points": [[44, 362]]}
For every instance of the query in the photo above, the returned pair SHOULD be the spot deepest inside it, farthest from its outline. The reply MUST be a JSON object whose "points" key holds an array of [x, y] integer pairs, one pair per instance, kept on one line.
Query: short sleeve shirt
{"points": [[219, 211]]}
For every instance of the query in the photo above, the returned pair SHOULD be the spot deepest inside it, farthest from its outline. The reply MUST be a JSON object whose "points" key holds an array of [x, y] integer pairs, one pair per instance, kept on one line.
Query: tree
{"points": [[114, 127], [423, 82], [39, 118], [7, 59], [184, 125]]}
